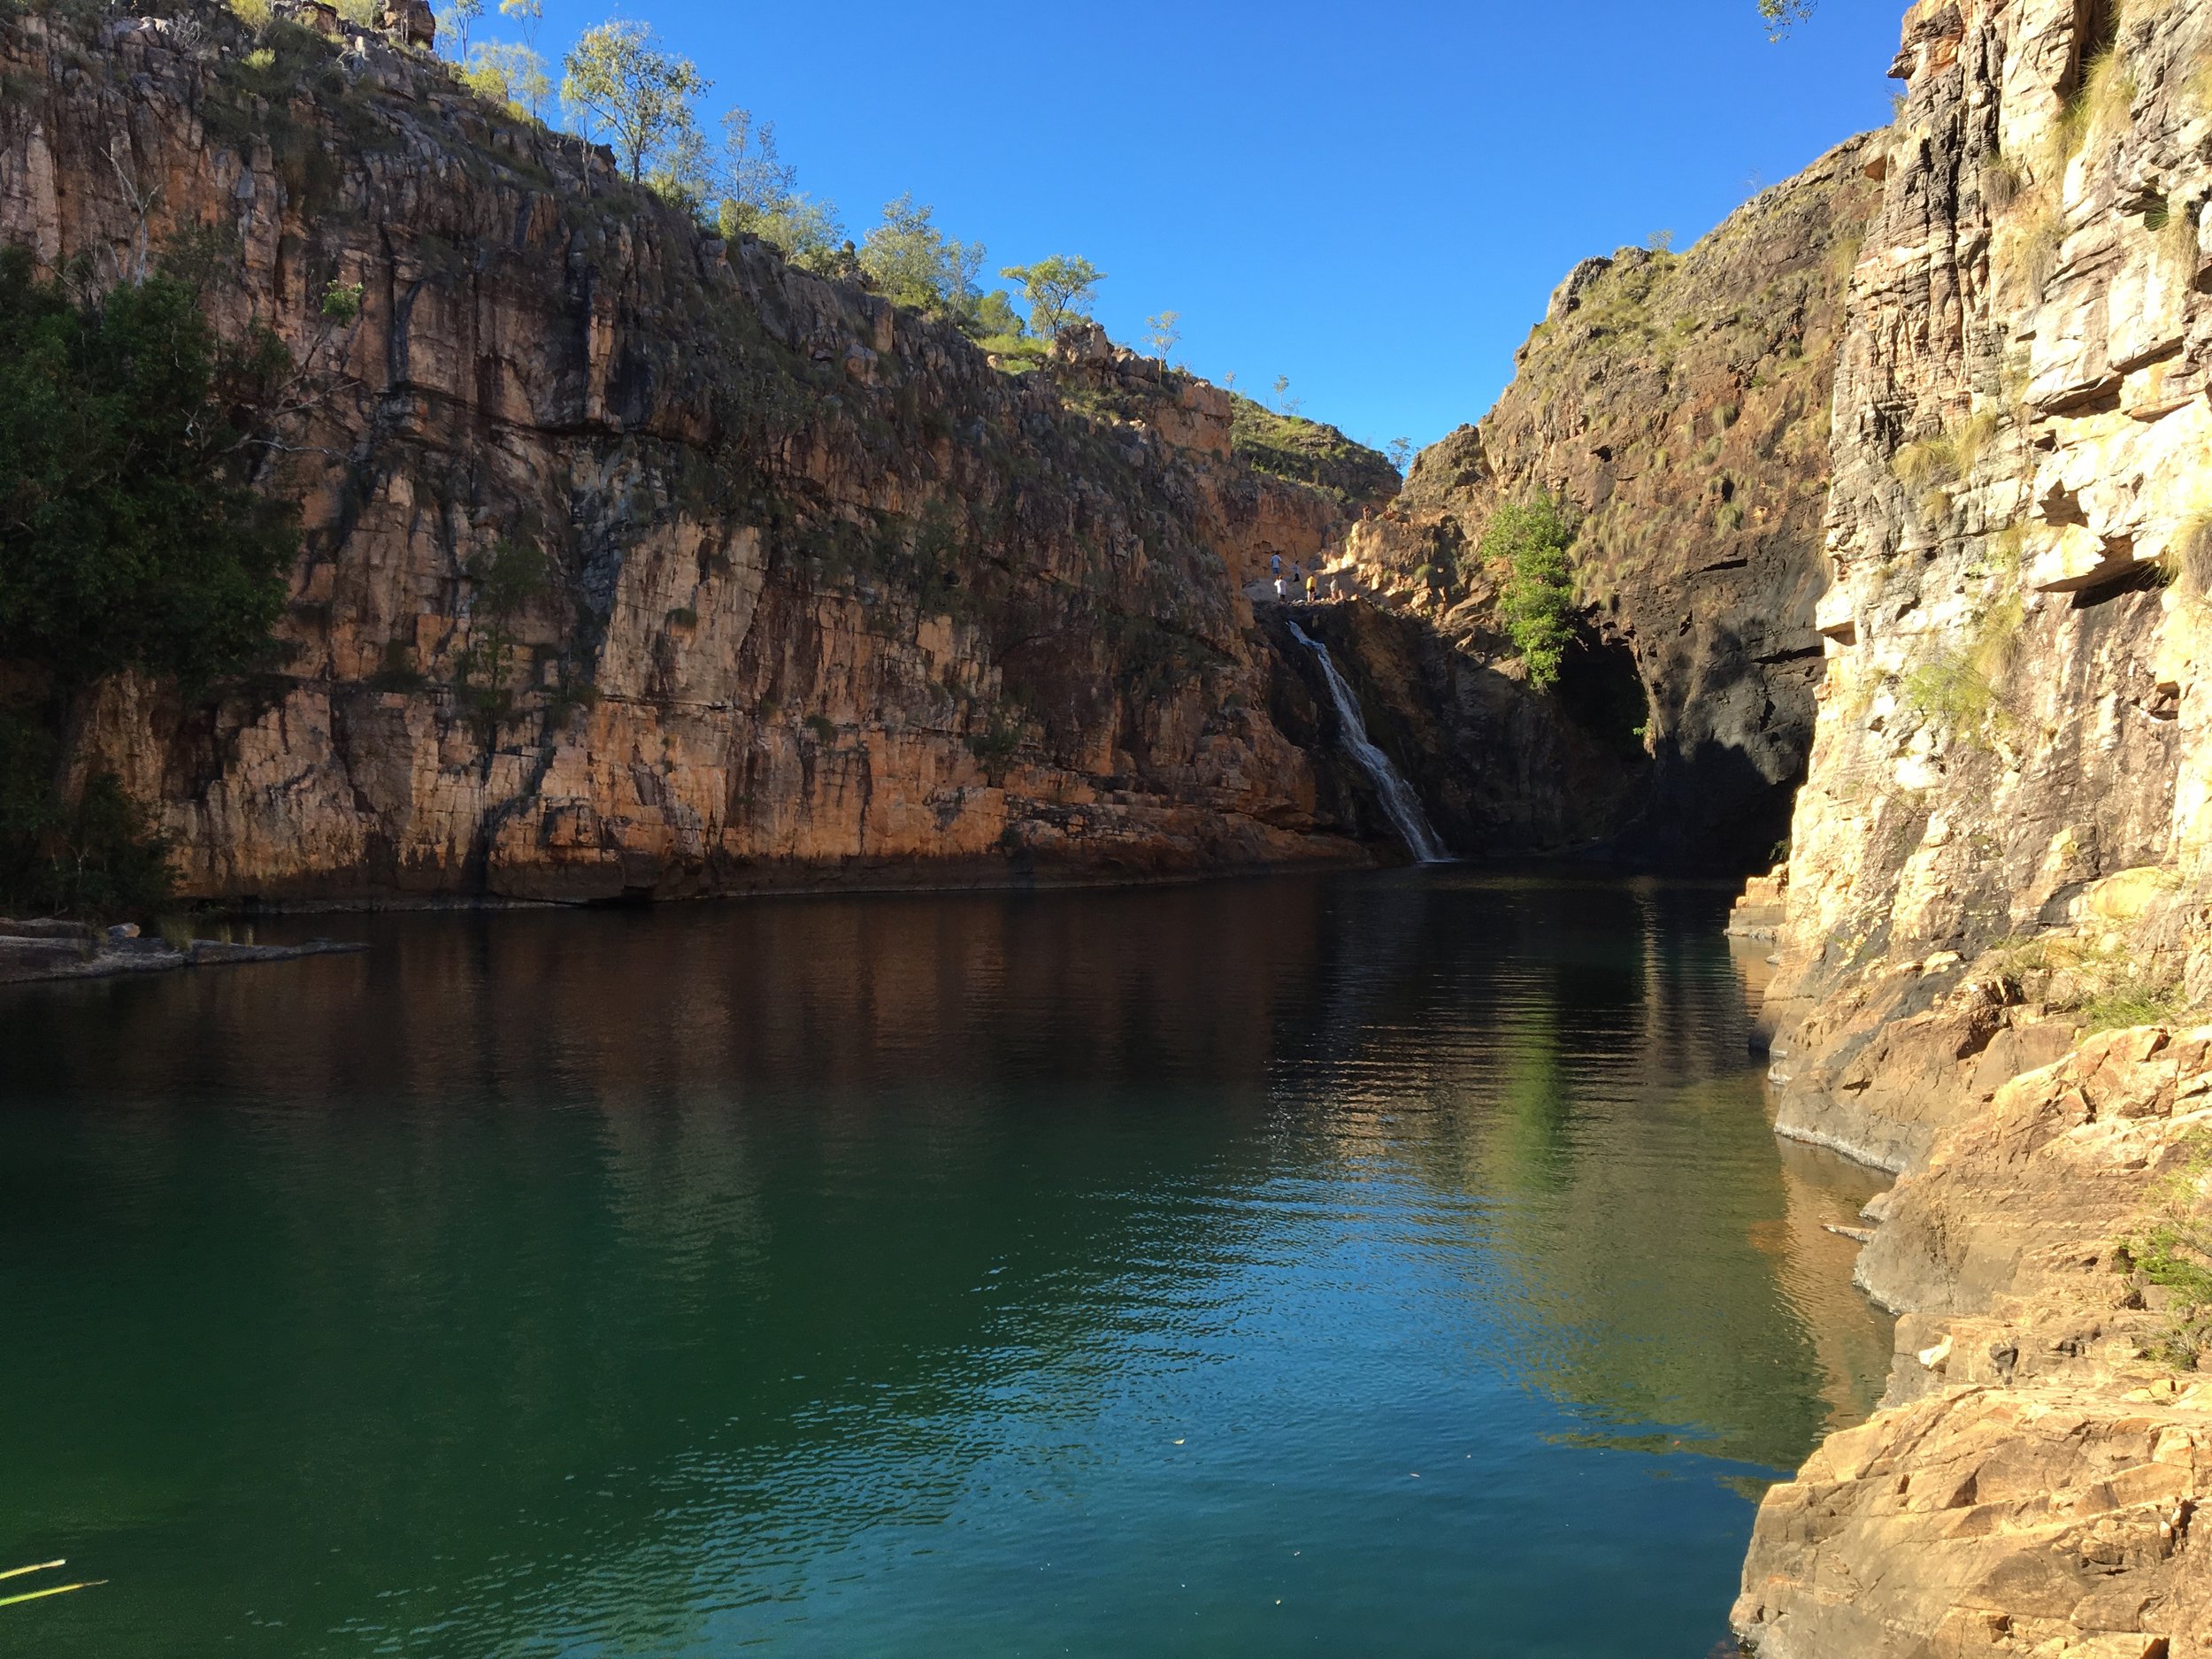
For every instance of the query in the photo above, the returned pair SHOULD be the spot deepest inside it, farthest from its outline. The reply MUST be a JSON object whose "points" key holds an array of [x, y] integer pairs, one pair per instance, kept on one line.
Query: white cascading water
{"points": [[1398, 798]]}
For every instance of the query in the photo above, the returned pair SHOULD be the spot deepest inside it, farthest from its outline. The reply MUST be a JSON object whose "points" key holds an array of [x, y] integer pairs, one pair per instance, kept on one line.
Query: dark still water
{"points": [[1386, 1264]]}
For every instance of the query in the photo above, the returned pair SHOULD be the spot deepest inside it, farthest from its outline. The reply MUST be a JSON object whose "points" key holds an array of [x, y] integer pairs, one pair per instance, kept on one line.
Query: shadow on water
{"points": [[1386, 1264]]}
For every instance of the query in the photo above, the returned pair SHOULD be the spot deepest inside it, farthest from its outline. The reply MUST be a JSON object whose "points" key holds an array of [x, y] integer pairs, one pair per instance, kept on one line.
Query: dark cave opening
{"points": [[1600, 690]]}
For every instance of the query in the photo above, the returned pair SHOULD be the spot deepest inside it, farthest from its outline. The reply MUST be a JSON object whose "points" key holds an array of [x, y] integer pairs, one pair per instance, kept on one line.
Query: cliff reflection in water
{"points": [[882, 1270]]}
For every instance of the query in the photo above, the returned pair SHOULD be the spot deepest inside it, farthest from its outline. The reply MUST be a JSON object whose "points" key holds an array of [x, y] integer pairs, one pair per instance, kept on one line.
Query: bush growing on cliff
{"points": [[1962, 687], [98, 855], [1536, 598], [129, 540], [2174, 1251]]}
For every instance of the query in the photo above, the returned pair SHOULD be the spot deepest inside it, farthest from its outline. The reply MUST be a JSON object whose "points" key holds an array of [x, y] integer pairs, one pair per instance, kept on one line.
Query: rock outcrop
{"points": [[2000, 847], [636, 562], [1677, 404], [2032, 1485], [2005, 815]]}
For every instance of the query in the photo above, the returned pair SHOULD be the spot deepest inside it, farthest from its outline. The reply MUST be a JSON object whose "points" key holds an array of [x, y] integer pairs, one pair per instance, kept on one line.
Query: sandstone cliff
{"points": [[637, 563], [1678, 404], [2000, 847]]}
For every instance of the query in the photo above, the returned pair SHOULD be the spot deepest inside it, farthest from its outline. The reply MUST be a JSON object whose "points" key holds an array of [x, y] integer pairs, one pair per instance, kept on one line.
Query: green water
{"points": [[1386, 1264]]}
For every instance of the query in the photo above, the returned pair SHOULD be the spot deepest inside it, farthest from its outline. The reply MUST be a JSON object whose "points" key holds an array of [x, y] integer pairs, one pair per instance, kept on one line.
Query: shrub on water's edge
{"points": [[99, 856]]}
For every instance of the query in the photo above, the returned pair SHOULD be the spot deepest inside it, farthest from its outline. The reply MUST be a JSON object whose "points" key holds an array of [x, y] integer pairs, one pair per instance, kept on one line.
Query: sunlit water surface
{"points": [[1388, 1264]]}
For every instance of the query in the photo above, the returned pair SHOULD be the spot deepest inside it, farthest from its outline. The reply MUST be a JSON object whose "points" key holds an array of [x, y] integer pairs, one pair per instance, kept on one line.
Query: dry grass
{"points": [[1926, 461], [2196, 80], [1950, 455], [2178, 244], [2100, 104], [2188, 557], [1962, 688], [1970, 438], [2035, 235]]}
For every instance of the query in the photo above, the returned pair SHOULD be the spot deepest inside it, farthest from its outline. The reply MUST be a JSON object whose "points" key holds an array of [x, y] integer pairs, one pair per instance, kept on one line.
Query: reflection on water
{"points": [[1397, 1264]]}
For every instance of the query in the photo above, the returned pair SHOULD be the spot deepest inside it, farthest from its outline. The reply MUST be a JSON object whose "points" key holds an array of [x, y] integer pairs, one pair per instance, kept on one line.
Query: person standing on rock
{"points": [[1313, 586], [1275, 569]]}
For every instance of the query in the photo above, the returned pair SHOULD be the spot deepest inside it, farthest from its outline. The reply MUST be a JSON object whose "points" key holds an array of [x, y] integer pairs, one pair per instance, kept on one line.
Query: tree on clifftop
{"points": [[1059, 290], [913, 263], [760, 196], [618, 77]]}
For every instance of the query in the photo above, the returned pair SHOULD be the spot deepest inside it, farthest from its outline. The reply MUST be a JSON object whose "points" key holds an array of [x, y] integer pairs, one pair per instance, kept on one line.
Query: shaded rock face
{"points": [[2001, 846], [1678, 405], [1500, 769], [639, 563]]}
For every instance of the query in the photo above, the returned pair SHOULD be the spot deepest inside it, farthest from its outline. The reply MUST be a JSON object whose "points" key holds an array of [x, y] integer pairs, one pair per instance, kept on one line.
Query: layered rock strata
{"points": [[637, 562], [1677, 405], [2000, 847], [2005, 814]]}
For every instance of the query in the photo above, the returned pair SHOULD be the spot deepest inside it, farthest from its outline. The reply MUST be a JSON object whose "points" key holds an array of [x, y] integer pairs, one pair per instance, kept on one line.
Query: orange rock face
{"points": [[636, 562]]}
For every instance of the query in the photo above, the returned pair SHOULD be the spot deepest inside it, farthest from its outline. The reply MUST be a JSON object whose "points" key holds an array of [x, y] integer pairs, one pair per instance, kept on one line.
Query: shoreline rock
{"points": [[29, 960]]}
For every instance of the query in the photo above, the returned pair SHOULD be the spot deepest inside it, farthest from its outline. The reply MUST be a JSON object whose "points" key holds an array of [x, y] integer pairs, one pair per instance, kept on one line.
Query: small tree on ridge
{"points": [[616, 76], [1059, 290]]}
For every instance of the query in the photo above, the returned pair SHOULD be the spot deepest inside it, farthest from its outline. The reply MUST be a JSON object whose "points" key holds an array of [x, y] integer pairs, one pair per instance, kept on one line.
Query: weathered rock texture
{"points": [[2032, 1486], [2009, 745], [1679, 404], [2001, 844], [637, 563]]}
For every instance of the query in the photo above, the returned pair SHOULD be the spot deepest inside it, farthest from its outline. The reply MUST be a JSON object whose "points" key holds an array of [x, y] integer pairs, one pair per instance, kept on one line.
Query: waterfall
{"points": [[1398, 798]]}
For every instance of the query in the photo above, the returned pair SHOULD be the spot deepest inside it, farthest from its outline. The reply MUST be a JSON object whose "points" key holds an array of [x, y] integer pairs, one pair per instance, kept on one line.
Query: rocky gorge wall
{"points": [[1995, 904], [1676, 404], [640, 563]]}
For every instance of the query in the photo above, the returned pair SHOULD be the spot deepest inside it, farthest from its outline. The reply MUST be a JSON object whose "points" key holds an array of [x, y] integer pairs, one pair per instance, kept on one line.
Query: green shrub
{"points": [[1536, 600], [2130, 1005], [98, 855], [396, 670], [341, 302], [2174, 1251], [129, 539], [995, 748]]}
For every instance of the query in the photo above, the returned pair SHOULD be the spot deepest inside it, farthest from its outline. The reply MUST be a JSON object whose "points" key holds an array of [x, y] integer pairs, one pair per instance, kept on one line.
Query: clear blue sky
{"points": [[1372, 199]]}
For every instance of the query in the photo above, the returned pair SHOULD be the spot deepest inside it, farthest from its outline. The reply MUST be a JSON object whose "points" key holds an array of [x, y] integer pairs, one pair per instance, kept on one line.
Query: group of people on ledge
{"points": [[1315, 582]]}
